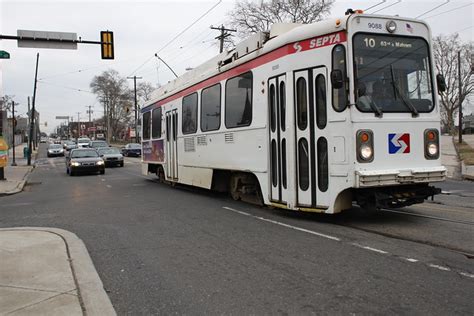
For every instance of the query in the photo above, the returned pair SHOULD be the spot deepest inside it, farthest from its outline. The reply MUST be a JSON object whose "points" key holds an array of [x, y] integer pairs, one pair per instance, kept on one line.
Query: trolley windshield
{"points": [[392, 74]]}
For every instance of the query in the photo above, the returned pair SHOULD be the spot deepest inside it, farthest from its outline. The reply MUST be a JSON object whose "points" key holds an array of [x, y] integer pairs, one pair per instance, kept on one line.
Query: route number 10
{"points": [[369, 42]]}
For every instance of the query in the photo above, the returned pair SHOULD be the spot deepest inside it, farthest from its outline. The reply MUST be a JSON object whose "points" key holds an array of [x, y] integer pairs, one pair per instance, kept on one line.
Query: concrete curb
{"points": [[91, 291], [19, 187], [467, 171]]}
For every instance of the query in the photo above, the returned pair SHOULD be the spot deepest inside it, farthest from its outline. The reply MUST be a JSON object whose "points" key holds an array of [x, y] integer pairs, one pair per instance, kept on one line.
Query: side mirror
{"points": [[441, 83], [337, 79]]}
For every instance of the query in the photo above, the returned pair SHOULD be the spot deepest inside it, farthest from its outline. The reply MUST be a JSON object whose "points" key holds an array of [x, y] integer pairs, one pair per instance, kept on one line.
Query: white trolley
{"points": [[306, 117]]}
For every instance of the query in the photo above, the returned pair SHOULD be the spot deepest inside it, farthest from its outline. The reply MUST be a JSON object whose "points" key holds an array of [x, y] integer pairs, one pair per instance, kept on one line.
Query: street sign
{"points": [[42, 37], [91, 129], [4, 54], [62, 117]]}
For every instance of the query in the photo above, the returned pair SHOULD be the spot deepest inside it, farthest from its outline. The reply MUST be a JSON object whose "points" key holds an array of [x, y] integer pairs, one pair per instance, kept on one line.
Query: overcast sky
{"points": [[142, 28]]}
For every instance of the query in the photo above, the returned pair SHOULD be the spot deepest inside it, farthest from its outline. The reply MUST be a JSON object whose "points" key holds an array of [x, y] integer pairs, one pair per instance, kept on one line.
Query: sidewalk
{"points": [[449, 158], [16, 175], [466, 170], [47, 271]]}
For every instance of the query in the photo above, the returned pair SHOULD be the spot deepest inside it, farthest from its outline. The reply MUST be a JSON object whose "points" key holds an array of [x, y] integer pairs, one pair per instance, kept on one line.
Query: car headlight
{"points": [[75, 164], [120, 158], [99, 163], [432, 149], [365, 152]]}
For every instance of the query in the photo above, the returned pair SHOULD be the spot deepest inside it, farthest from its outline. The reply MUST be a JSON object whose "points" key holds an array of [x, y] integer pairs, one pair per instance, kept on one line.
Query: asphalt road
{"points": [[179, 250]]}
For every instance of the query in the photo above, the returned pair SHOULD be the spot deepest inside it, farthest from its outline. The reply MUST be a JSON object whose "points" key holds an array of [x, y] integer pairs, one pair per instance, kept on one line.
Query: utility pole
{"points": [[32, 114], [105, 101], [13, 133], [90, 112], [459, 97], [136, 105], [224, 34], [78, 127]]}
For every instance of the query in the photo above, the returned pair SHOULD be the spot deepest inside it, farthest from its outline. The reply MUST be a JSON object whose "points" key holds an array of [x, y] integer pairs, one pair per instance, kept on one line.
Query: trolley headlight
{"points": [[431, 140], [365, 145], [432, 149], [365, 152]]}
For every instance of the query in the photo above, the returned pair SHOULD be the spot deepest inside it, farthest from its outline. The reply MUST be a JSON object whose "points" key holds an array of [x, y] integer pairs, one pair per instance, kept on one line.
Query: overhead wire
{"points": [[64, 87], [375, 5], [435, 8], [177, 36], [388, 6], [448, 11]]}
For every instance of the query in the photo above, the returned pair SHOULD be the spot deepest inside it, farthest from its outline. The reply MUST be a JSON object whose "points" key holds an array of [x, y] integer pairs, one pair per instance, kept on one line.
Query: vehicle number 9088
{"points": [[376, 26]]}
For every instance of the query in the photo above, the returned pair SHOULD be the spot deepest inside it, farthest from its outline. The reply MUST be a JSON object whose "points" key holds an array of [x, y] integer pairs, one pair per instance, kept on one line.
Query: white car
{"points": [[83, 142], [55, 150]]}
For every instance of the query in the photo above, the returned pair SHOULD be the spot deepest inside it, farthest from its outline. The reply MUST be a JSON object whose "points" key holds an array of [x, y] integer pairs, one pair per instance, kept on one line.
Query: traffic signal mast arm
{"points": [[106, 41]]}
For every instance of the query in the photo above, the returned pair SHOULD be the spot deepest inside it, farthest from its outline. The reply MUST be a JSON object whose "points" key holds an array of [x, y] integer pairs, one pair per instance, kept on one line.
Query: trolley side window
{"points": [[321, 115], [156, 123], [282, 106], [301, 103], [190, 107], [238, 101], [339, 96], [146, 125], [211, 108]]}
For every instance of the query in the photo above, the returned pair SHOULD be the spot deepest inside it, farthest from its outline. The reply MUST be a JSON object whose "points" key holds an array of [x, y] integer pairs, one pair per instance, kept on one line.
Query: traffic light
{"points": [[107, 46]]}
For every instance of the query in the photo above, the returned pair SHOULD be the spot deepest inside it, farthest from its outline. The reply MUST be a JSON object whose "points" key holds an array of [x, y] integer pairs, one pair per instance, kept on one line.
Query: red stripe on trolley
{"points": [[293, 48]]}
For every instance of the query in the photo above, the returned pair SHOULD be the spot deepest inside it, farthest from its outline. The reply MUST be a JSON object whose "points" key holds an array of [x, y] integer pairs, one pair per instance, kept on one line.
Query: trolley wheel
{"points": [[234, 187]]}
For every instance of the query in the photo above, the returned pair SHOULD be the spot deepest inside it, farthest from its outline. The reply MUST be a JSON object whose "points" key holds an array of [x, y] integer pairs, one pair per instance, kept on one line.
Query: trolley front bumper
{"points": [[377, 178]]}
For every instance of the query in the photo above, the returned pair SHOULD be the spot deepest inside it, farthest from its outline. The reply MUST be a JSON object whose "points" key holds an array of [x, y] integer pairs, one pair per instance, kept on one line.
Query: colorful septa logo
{"points": [[399, 143]]}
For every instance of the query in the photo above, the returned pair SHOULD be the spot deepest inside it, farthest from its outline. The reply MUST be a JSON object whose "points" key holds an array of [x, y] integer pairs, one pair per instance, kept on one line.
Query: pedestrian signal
{"points": [[107, 44]]}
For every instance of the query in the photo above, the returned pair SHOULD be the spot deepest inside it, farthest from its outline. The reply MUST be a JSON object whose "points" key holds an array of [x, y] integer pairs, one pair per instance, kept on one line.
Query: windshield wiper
{"points": [[376, 109], [411, 107]]}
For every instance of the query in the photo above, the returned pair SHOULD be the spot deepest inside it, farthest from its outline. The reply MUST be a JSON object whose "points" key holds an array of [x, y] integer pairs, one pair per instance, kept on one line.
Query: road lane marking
{"points": [[283, 224], [379, 251], [438, 267], [108, 186], [370, 248], [469, 275]]}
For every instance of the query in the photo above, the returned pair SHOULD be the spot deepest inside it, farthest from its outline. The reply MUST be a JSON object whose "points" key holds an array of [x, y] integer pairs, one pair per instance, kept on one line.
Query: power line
{"points": [[463, 6], [64, 87], [375, 5], [388, 6], [178, 35], [431, 10]]}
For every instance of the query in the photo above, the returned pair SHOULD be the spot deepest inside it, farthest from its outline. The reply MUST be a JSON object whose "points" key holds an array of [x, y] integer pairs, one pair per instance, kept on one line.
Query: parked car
{"points": [[43, 140], [83, 142], [98, 144], [84, 160], [69, 144], [55, 150], [132, 150], [111, 156]]}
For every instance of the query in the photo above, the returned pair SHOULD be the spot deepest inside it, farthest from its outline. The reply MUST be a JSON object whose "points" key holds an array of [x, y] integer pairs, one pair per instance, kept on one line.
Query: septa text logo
{"points": [[399, 143]]}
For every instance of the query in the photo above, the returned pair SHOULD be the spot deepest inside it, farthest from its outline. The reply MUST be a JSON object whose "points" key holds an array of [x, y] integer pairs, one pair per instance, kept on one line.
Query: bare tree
{"points": [[249, 17], [144, 91], [446, 50], [6, 102], [113, 89]]}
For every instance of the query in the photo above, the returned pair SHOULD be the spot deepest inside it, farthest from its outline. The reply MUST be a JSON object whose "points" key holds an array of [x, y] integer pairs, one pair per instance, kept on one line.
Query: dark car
{"points": [[55, 150], [111, 156], [98, 144], [84, 160], [132, 150], [69, 144]]}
